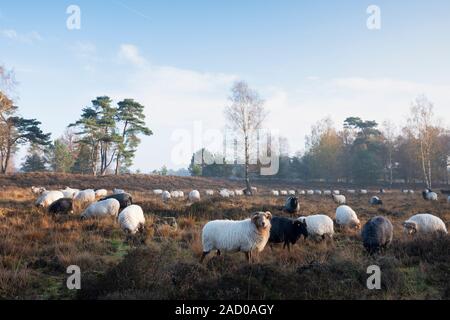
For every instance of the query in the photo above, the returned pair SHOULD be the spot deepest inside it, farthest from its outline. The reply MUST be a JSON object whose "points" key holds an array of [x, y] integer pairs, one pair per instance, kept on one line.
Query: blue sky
{"points": [[308, 59]]}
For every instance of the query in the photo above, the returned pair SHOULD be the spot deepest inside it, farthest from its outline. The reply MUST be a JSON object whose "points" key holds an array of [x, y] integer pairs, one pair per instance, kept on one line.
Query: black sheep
{"points": [[287, 231], [377, 234], [124, 199], [61, 206], [292, 205], [376, 201]]}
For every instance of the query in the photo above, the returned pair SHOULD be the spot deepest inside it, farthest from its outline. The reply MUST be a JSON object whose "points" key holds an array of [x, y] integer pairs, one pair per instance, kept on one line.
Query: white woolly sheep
{"points": [[319, 226], [327, 192], [411, 191], [430, 195], [302, 192], [339, 198], [346, 217], [363, 191], [84, 197], [105, 208], [209, 192], [158, 192], [245, 235], [132, 219], [310, 192], [69, 192], [101, 193], [177, 194], [405, 191], [351, 191], [47, 198], [275, 193], [118, 191], [224, 193], [239, 193], [424, 223], [283, 192], [336, 192], [194, 196], [166, 196], [318, 192]]}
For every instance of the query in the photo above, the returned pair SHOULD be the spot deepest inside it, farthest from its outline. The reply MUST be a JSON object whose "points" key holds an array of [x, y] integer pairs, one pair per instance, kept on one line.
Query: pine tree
{"points": [[132, 118]]}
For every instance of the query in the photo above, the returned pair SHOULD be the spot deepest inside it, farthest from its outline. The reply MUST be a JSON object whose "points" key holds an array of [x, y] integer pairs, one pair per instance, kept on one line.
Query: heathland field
{"points": [[163, 262]]}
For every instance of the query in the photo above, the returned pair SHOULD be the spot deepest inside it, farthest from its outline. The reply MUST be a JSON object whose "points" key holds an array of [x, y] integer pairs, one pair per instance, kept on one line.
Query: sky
{"points": [[307, 59]]}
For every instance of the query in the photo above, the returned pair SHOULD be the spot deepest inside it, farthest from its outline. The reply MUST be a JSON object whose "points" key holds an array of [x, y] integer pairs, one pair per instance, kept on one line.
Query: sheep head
{"points": [[410, 227], [357, 225], [301, 227], [262, 220]]}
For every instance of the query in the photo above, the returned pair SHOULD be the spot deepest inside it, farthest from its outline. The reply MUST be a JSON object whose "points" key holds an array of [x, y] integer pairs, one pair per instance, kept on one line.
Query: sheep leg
{"points": [[203, 256], [286, 244], [248, 255], [218, 253]]}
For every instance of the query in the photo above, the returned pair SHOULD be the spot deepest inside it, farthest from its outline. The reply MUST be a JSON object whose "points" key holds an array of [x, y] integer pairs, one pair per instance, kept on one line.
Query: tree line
{"points": [[103, 140], [360, 151]]}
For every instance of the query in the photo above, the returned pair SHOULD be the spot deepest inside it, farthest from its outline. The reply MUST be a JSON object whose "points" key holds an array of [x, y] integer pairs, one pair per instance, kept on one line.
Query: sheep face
{"points": [[294, 202], [300, 228], [410, 227], [356, 225], [262, 220]]}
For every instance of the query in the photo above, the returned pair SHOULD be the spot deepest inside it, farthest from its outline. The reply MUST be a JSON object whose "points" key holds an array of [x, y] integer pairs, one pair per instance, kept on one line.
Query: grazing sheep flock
{"points": [[251, 234]]}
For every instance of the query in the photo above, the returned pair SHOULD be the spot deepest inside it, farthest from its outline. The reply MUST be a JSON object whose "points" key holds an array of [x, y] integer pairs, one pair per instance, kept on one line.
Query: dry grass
{"points": [[162, 263]]}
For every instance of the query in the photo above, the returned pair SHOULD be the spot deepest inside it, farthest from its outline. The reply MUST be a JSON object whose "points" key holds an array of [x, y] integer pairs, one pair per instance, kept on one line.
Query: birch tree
{"points": [[421, 124], [245, 115]]}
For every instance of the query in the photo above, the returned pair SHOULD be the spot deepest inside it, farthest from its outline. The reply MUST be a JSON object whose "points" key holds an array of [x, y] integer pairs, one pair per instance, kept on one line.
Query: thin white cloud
{"points": [[85, 49], [27, 38], [130, 53], [86, 53]]}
